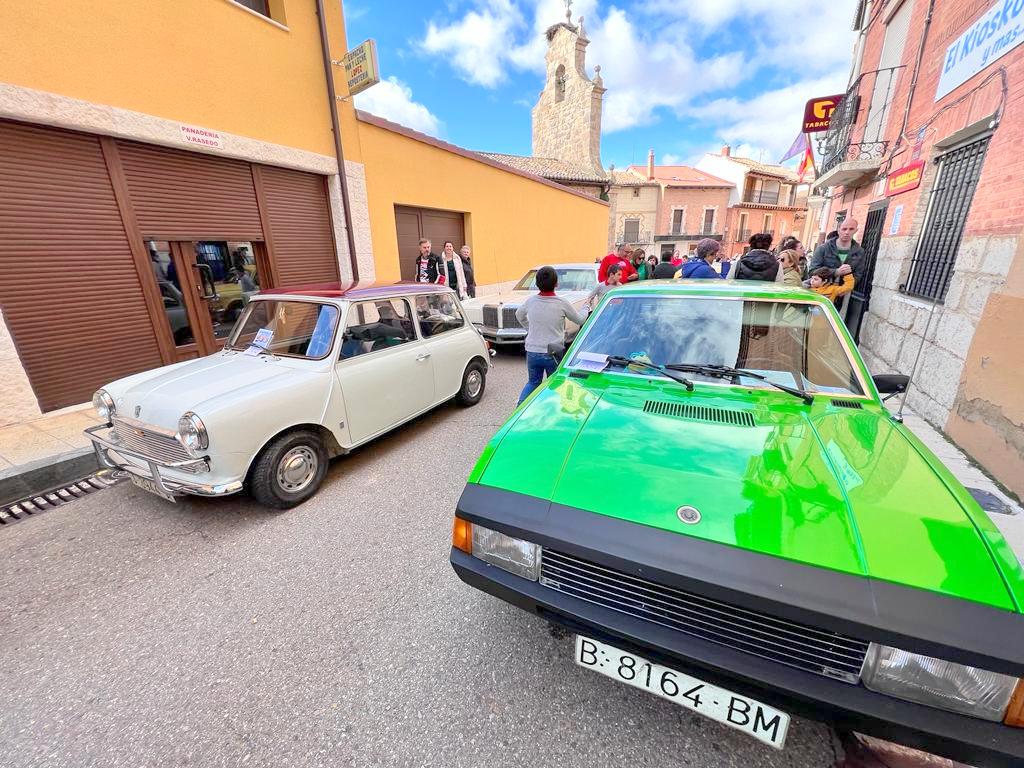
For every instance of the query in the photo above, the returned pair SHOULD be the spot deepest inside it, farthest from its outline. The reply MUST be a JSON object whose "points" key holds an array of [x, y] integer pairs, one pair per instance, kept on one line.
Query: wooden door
{"points": [[437, 226]]}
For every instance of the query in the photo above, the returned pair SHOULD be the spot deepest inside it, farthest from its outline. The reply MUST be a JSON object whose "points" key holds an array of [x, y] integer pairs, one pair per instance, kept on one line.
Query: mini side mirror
{"points": [[891, 384], [557, 351]]}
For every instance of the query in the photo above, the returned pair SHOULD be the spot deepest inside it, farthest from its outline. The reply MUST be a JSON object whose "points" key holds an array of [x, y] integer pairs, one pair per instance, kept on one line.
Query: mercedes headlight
{"points": [[508, 553], [938, 683], [104, 405], [192, 433]]}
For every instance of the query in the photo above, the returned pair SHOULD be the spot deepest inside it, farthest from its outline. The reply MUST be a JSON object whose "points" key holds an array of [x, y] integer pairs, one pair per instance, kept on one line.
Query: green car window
{"points": [[792, 343]]}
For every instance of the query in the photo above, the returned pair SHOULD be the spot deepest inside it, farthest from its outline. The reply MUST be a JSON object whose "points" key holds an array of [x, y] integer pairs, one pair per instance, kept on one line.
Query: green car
{"points": [[711, 495]]}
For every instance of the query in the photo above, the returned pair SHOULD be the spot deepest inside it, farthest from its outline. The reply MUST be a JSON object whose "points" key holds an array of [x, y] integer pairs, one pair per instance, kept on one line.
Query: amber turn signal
{"points": [[462, 535], [1015, 712]]}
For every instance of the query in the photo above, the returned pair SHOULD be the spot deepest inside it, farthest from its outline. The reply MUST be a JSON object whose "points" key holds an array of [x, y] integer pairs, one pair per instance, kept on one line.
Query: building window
{"points": [[261, 7], [767, 224], [742, 232], [636, 191], [631, 231], [678, 216], [932, 266], [709, 222]]}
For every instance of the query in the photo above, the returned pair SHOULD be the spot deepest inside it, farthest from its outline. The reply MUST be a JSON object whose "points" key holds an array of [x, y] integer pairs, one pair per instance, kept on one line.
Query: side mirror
{"points": [[557, 351], [891, 384]]}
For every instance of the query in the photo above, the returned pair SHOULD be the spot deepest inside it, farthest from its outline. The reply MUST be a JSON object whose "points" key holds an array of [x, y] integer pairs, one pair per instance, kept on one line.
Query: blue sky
{"points": [[683, 76]]}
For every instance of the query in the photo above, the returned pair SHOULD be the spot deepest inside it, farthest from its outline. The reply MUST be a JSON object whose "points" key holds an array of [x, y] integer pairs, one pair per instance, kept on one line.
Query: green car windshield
{"points": [[791, 343]]}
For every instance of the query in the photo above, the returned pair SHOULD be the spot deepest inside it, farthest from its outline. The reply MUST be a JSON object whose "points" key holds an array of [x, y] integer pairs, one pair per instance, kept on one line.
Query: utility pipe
{"points": [[332, 99]]}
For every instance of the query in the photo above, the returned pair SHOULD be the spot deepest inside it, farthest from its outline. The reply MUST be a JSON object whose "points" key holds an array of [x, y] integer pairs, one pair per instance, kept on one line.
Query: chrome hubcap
{"points": [[297, 469], [474, 383]]}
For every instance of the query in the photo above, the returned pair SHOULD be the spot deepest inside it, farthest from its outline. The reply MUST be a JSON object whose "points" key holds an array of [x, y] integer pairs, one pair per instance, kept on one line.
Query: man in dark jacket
{"points": [[699, 266], [429, 268], [841, 254], [665, 270], [467, 268], [759, 263]]}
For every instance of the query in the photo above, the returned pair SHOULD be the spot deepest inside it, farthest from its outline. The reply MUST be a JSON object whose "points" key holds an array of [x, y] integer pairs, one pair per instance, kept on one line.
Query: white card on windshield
{"points": [[589, 361], [259, 344]]}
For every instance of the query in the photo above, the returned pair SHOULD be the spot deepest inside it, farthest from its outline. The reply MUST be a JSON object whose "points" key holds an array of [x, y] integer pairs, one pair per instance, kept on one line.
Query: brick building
{"points": [[934, 116], [764, 198]]}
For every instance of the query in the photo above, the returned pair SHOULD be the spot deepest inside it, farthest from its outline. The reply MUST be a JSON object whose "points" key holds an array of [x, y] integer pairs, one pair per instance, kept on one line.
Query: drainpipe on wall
{"points": [[332, 97]]}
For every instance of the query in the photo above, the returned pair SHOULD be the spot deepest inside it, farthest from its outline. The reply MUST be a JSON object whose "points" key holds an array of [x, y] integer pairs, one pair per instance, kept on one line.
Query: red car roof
{"points": [[338, 290]]}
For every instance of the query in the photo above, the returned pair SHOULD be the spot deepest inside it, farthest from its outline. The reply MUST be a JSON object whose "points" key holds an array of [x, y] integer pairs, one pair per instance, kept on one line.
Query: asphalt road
{"points": [[135, 633]]}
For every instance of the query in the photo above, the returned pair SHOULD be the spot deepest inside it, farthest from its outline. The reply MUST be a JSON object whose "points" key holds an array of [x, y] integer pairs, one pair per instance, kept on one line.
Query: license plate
{"points": [[755, 719], [148, 485]]}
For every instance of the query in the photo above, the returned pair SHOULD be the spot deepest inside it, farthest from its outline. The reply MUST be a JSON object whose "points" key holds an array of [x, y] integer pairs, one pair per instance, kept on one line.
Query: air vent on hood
{"points": [[847, 404], [700, 413]]}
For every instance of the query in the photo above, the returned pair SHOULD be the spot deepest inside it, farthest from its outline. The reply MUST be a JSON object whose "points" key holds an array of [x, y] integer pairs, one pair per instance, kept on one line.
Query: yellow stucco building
{"points": [[159, 159]]}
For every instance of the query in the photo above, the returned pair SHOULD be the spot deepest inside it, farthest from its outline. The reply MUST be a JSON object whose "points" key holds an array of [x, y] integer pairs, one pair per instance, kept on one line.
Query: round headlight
{"points": [[104, 405], [192, 433]]}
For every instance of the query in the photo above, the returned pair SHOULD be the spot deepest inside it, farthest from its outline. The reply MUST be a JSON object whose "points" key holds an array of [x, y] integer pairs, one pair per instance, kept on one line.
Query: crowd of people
{"points": [[833, 270], [452, 269]]}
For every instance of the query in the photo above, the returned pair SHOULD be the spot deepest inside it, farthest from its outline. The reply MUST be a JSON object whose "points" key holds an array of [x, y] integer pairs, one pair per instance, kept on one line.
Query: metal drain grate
{"points": [[58, 497]]}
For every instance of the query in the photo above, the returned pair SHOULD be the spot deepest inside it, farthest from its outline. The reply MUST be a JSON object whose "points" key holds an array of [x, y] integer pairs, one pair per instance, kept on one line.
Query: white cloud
{"points": [[477, 45], [669, 159], [768, 122], [392, 100]]}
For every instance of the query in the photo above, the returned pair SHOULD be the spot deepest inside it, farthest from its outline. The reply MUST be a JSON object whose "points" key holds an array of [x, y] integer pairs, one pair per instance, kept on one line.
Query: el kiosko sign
{"points": [[996, 32], [361, 70]]}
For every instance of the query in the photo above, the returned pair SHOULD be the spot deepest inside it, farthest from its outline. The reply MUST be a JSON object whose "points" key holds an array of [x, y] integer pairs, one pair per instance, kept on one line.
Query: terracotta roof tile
{"points": [[631, 178], [682, 176], [550, 168], [767, 168]]}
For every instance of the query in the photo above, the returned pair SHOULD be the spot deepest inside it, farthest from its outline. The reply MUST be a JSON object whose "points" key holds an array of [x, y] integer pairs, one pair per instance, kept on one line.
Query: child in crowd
{"points": [[822, 280], [614, 280], [543, 315]]}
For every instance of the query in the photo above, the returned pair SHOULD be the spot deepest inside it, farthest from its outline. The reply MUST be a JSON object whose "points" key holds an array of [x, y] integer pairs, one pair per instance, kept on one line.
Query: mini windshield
{"points": [[568, 280], [791, 343], [295, 328]]}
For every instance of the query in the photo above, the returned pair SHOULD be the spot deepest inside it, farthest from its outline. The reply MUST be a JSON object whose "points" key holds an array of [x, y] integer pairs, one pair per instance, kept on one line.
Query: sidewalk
{"points": [[45, 452]]}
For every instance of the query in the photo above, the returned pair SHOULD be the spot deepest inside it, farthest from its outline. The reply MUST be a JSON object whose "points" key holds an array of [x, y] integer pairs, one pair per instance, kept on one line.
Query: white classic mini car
{"points": [[495, 314], [289, 391]]}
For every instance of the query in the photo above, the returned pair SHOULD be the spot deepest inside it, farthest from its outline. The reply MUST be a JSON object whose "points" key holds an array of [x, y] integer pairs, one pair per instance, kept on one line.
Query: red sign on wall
{"points": [[818, 113], [904, 179]]}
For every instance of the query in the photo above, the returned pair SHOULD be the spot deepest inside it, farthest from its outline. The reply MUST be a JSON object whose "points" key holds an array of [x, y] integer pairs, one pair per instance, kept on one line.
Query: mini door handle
{"points": [[422, 357]]}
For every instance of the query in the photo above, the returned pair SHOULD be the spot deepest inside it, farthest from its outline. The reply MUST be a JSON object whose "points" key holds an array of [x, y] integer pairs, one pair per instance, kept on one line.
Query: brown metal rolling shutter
{"points": [[190, 196], [68, 285], [300, 221]]}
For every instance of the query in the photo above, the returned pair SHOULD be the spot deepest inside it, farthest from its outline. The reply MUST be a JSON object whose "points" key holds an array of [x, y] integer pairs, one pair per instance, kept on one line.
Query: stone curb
{"points": [[44, 475]]}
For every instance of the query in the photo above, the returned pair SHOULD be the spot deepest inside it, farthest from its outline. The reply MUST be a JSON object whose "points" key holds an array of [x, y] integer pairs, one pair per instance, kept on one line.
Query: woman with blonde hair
{"points": [[789, 263]]}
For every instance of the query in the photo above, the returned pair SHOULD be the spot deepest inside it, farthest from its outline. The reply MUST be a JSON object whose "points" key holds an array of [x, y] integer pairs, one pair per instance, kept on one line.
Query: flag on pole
{"points": [[806, 163], [802, 142]]}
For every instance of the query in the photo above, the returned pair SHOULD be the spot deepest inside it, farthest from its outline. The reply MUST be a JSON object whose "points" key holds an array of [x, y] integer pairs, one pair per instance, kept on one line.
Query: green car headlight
{"points": [[508, 553], [938, 683]]}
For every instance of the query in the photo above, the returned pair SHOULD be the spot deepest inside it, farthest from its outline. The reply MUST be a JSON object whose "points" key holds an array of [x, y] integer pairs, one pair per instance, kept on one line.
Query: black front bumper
{"points": [[853, 707]]}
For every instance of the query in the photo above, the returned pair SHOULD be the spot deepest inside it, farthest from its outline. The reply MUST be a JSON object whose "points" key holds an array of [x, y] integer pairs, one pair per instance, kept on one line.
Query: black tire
{"points": [[274, 485], [474, 382]]}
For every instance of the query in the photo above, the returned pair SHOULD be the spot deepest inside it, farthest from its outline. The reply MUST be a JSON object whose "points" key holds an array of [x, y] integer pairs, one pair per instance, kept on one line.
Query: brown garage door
{"points": [[415, 223], [68, 286], [299, 220]]}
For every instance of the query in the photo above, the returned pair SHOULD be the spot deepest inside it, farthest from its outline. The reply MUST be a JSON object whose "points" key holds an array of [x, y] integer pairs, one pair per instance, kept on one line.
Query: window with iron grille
{"points": [[932, 266], [631, 230]]}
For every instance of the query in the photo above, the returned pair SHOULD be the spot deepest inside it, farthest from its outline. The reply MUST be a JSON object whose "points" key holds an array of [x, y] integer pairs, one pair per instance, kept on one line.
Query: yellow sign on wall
{"points": [[361, 70]]}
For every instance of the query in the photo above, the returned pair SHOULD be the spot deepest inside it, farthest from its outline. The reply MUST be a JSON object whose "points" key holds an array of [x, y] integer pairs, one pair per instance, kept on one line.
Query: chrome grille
{"points": [[785, 642], [491, 317], [509, 319], [158, 446]]}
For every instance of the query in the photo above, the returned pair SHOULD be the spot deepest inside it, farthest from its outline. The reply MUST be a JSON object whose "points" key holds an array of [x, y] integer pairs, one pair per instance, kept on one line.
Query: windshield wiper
{"points": [[263, 350], [726, 372], [625, 362]]}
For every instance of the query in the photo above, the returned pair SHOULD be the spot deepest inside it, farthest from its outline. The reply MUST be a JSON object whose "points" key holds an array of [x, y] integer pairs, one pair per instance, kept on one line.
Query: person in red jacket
{"points": [[622, 257]]}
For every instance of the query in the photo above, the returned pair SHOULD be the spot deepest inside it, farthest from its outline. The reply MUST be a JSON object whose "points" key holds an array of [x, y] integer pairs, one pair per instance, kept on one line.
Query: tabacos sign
{"points": [[996, 32], [904, 179], [818, 112]]}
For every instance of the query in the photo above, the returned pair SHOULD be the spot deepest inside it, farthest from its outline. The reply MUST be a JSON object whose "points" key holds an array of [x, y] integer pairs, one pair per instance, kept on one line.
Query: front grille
{"points": [[700, 413], [158, 446], [509, 319], [491, 317], [785, 642]]}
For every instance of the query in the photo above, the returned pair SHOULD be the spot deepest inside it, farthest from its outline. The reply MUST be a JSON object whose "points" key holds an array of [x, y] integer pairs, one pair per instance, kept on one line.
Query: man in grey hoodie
{"points": [[543, 315]]}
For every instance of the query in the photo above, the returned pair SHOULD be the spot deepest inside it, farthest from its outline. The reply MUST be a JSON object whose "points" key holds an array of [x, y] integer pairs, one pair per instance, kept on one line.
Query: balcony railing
{"points": [[742, 235], [633, 237], [761, 198], [859, 134]]}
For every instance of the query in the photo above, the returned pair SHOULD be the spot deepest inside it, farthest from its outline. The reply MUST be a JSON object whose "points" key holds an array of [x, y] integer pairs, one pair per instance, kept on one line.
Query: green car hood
{"points": [[840, 488]]}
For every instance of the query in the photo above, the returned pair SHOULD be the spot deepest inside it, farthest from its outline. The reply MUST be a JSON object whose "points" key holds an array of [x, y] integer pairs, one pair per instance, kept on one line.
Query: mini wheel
{"points": [[289, 470], [474, 381]]}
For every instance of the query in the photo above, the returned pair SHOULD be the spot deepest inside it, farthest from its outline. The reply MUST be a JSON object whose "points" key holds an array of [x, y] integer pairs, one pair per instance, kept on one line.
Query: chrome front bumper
{"points": [[103, 444], [502, 335]]}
